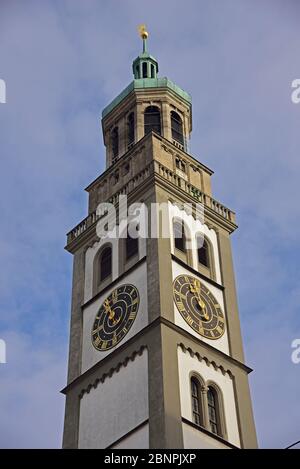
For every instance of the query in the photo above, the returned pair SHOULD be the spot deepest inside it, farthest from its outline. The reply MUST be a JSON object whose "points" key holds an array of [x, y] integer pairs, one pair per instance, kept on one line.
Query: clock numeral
{"points": [[104, 344], [131, 316], [180, 306], [114, 296], [189, 320], [114, 339], [97, 341], [125, 330]]}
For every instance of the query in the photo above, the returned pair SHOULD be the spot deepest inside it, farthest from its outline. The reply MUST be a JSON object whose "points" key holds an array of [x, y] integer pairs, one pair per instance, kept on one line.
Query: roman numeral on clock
{"points": [[180, 306]]}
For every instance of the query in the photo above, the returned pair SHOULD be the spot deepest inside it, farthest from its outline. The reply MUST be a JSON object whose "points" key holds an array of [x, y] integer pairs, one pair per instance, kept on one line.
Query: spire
{"points": [[144, 66], [144, 35]]}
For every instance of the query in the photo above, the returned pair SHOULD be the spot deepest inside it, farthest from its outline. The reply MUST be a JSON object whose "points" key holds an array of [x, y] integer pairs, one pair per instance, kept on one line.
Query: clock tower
{"points": [[156, 357]]}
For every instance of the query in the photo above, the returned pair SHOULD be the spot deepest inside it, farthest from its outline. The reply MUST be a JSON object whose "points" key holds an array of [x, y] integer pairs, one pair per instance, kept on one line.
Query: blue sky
{"points": [[62, 62]]}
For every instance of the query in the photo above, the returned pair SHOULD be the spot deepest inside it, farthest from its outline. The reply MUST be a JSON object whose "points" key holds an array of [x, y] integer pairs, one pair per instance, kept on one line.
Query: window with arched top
{"points": [[179, 236], [177, 128], [128, 251], [205, 256], [196, 401], [152, 120], [132, 247], [130, 129], [102, 268], [145, 65], [213, 411], [115, 142], [105, 263], [181, 241], [132, 243]]}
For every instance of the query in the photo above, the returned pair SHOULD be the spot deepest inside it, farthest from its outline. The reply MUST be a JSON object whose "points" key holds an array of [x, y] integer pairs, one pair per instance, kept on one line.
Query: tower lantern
{"points": [[144, 66]]}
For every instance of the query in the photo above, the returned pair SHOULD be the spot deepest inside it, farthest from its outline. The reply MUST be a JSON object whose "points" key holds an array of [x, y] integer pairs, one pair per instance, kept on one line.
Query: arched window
{"points": [[176, 127], [131, 247], [196, 401], [145, 70], [115, 142], [152, 120], [105, 263], [203, 254], [102, 268], [213, 411], [130, 129], [179, 236]]}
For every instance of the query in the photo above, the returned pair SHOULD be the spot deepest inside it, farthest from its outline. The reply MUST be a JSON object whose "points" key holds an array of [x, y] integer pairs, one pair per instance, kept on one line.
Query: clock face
{"points": [[115, 317], [198, 307]]}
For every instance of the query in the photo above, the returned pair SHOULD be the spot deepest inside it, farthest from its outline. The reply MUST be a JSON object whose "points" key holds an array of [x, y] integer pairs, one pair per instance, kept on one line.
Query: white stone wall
{"points": [[116, 406], [138, 439], [90, 356], [188, 365], [191, 439]]}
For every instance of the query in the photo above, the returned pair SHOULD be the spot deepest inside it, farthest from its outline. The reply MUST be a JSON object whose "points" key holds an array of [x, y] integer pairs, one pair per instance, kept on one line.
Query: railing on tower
{"points": [[155, 167]]}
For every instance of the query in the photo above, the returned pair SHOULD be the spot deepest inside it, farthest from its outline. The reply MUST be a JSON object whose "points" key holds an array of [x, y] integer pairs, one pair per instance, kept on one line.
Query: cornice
{"points": [[112, 371], [205, 359]]}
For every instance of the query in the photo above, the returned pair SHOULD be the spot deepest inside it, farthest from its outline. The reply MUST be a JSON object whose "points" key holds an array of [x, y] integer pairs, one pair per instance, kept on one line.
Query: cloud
{"points": [[31, 406]]}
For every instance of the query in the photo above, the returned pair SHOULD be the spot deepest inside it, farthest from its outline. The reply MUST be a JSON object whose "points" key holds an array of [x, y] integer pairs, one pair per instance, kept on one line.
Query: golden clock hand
{"points": [[108, 309], [111, 312], [196, 288]]}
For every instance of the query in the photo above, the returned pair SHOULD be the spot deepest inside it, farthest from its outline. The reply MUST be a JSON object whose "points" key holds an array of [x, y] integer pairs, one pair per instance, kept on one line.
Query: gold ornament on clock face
{"points": [[198, 307], [115, 317]]}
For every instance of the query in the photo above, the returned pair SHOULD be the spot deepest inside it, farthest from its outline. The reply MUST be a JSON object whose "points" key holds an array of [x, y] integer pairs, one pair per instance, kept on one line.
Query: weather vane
{"points": [[144, 35]]}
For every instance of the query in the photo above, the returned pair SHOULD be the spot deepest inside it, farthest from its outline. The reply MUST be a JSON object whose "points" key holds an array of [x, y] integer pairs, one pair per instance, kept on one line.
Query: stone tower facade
{"points": [[156, 357]]}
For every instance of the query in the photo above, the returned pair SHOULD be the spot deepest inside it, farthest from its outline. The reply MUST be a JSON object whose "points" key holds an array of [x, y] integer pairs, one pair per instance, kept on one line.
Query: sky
{"points": [[63, 61]]}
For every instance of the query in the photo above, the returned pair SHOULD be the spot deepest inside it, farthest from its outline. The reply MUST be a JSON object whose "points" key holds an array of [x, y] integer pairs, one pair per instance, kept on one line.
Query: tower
{"points": [[156, 357]]}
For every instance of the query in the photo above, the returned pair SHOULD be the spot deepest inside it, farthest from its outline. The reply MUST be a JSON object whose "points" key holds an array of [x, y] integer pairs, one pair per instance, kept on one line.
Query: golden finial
{"points": [[143, 32]]}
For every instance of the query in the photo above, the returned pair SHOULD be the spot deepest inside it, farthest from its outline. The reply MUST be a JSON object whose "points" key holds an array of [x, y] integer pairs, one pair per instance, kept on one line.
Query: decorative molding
{"points": [[206, 360], [112, 370]]}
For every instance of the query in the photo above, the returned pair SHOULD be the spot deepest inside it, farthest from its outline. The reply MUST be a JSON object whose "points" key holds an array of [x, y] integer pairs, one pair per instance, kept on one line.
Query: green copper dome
{"points": [[145, 70], [145, 66]]}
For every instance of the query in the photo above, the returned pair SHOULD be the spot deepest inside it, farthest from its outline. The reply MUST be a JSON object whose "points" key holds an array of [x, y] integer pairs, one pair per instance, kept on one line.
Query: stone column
{"points": [[166, 126], [204, 404], [139, 128]]}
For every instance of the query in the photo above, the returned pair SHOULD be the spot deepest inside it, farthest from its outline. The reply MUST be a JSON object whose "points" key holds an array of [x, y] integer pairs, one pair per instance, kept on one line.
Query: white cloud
{"points": [[31, 406]]}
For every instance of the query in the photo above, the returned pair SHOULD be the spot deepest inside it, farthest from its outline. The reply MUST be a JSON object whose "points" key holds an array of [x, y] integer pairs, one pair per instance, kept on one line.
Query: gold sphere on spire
{"points": [[143, 32]]}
